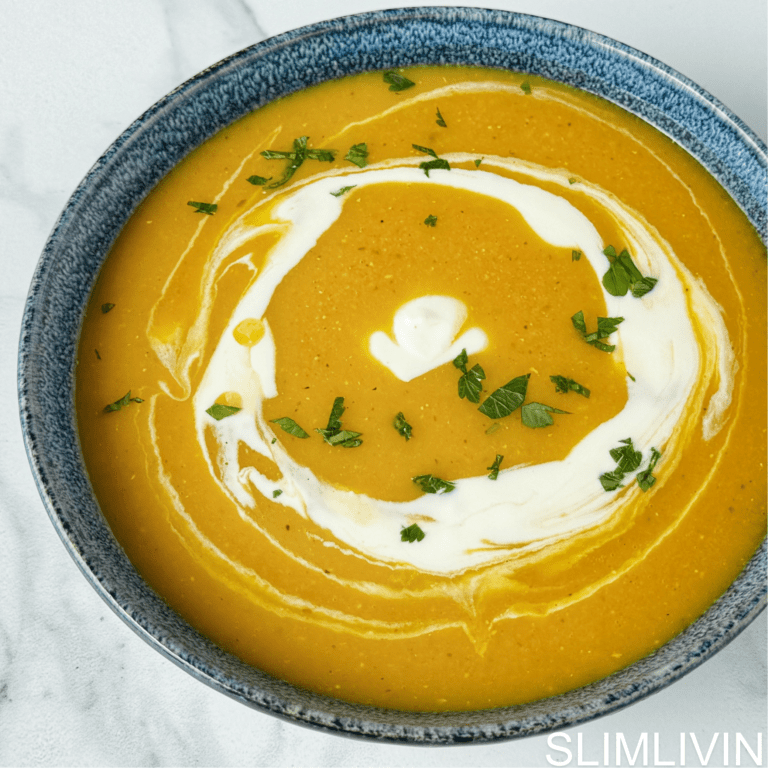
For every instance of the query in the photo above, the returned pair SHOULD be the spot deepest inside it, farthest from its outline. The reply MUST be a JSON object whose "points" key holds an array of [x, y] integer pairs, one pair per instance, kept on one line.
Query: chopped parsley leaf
{"points": [[440, 121], [290, 426], [411, 533], [209, 208], [506, 399], [431, 220], [343, 190], [623, 275], [123, 402], [469, 383], [478, 161], [645, 479], [333, 434], [437, 163], [535, 415], [396, 81], [626, 457], [402, 426], [432, 484], [258, 181], [220, 411], [494, 468], [605, 327], [358, 154], [276, 493], [299, 154], [525, 88], [564, 384], [576, 255]]}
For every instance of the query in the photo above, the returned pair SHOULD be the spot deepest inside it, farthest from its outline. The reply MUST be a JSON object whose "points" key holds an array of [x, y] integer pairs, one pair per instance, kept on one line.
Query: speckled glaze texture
{"points": [[187, 117]]}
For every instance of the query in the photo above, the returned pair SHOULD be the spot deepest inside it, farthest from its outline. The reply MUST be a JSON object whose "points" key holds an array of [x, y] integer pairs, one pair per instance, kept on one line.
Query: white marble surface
{"points": [[77, 687]]}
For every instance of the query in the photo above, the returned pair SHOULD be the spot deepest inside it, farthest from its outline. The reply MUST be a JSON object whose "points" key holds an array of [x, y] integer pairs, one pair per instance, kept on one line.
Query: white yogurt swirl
{"points": [[671, 356]]}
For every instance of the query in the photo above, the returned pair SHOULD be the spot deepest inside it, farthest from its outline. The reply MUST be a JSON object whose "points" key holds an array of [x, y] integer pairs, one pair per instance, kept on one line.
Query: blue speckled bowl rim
{"points": [[184, 119]]}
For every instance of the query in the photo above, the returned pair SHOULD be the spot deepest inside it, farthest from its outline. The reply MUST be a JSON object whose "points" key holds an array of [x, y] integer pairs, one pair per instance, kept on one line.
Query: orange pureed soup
{"points": [[438, 396]]}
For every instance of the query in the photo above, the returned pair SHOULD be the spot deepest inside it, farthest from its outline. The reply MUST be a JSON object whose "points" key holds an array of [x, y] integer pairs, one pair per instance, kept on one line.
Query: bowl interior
{"points": [[192, 113]]}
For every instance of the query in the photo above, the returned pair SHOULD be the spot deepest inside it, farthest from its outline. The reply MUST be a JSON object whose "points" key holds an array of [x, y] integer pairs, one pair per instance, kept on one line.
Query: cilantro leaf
{"points": [[343, 190], [536, 415], [345, 438], [645, 479], [290, 426], [258, 181], [431, 220], [478, 161], [494, 468], [358, 154], [396, 81], [526, 88], [506, 399], [276, 493], [411, 533], [402, 426], [643, 286], [209, 208], [220, 411], [564, 384], [579, 323], [440, 120], [123, 402], [576, 255], [432, 484]]}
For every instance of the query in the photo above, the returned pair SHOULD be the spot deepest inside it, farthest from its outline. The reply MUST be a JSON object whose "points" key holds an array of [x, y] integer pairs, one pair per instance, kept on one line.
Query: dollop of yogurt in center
{"points": [[425, 337]]}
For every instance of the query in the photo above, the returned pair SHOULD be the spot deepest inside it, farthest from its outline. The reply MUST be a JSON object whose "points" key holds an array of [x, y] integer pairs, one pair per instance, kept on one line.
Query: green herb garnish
{"points": [[506, 399], [437, 163], [494, 468], [343, 190], [209, 208], [572, 180], [396, 81], [333, 434], [299, 154], [645, 479], [290, 426], [123, 402], [220, 411], [276, 493], [107, 307], [623, 275], [469, 383], [431, 220], [605, 327], [258, 181], [564, 384], [576, 255], [411, 533], [358, 154], [98, 356], [478, 161], [432, 484], [629, 460], [440, 120], [537, 415], [525, 88], [402, 426]]}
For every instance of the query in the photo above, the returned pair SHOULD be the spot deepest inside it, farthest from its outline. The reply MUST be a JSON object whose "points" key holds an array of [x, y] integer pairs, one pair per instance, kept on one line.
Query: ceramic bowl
{"points": [[191, 114]]}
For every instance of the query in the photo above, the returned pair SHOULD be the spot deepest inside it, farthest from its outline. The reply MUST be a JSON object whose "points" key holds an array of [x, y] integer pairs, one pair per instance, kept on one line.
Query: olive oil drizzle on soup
{"points": [[393, 432]]}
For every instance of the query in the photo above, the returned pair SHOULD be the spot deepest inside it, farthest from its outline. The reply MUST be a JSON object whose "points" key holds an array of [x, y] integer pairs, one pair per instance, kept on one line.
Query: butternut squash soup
{"points": [[433, 389]]}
